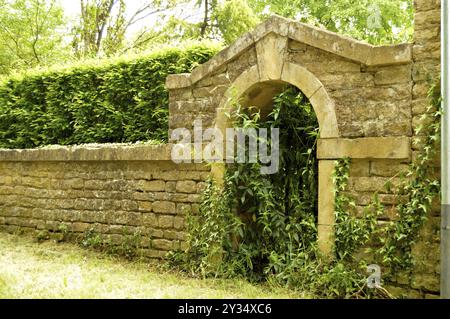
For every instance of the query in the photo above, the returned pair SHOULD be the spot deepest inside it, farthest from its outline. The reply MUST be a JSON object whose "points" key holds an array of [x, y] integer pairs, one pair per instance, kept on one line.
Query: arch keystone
{"points": [[271, 51]]}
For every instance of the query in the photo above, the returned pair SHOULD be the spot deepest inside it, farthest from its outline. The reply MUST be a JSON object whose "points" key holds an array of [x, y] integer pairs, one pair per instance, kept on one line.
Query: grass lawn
{"points": [[49, 270]]}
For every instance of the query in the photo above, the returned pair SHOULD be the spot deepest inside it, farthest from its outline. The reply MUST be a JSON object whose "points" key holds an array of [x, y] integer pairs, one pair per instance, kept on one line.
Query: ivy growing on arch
{"points": [[263, 228]]}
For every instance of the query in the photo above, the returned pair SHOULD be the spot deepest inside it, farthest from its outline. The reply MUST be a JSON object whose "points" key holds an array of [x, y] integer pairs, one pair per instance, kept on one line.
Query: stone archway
{"points": [[361, 95], [324, 108]]}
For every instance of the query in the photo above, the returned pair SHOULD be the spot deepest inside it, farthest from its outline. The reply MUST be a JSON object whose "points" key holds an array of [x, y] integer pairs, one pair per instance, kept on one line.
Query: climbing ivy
{"points": [[421, 185], [351, 232], [264, 228]]}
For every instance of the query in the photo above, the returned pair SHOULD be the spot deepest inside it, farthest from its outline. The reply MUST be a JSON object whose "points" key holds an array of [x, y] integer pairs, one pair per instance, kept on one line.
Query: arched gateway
{"points": [[361, 95]]}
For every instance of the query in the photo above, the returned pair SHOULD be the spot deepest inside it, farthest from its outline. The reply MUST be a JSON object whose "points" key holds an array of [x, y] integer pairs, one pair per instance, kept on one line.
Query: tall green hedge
{"points": [[117, 102]]}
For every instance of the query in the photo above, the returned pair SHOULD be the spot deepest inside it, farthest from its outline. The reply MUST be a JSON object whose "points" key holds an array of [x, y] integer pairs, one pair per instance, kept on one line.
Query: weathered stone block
{"points": [[373, 184], [378, 147], [387, 168], [183, 209], [172, 235], [93, 184], [162, 244], [426, 282], [186, 187], [420, 106], [359, 168], [201, 187], [424, 70], [5, 180], [156, 233], [80, 227], [165, 221], [271, 52], [134, 219], [145, 206], [76, 183], [149, 220], [428, 18], [425, 5], [164, 207], [178, 81], [178, 223], [171, 187], [194, 198], [393, 75], [420, 90], [153, 186], [302, 78]]}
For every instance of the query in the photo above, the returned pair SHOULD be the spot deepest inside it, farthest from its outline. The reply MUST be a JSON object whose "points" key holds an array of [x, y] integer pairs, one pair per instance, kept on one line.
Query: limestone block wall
{"points": [[115, 191], [186, 104], [361, 94], [370, 87], [426, 72], [369, 102]]}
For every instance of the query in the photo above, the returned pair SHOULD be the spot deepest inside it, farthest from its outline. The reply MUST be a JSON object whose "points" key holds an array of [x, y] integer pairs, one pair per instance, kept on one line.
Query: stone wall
{"points": [[80, 189], [369, 102], [361, 94], [368, 99], [372, 96], [426, 72]]}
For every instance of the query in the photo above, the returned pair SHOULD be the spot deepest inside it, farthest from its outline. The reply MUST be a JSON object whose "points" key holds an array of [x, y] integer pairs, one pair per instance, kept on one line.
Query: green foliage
{"points": [[101, 28], [34, 32], [375, 21], [211, 232], [280, 210], [63, 232], [92, 239], [42, 235], [223, 21], [30, 34], [423, 187], [395, 241], [234, 18], [129, 247], [263, 227], [351, 232], [309, 271], [125, 101]]}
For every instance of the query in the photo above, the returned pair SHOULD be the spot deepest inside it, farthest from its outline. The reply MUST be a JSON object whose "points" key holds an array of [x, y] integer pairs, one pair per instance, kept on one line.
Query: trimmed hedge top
{"points": [[119, 102]]}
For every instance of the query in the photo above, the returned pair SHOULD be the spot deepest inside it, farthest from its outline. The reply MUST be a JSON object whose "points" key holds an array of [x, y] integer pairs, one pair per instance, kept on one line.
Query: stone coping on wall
{"points": [[365, 148], [90, 152], [333, 148], [343, 46]]}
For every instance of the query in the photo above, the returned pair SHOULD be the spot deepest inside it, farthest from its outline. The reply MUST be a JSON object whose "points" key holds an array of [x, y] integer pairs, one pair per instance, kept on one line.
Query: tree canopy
{"points": [[38, 32], [30, 33], [375, 21]]}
